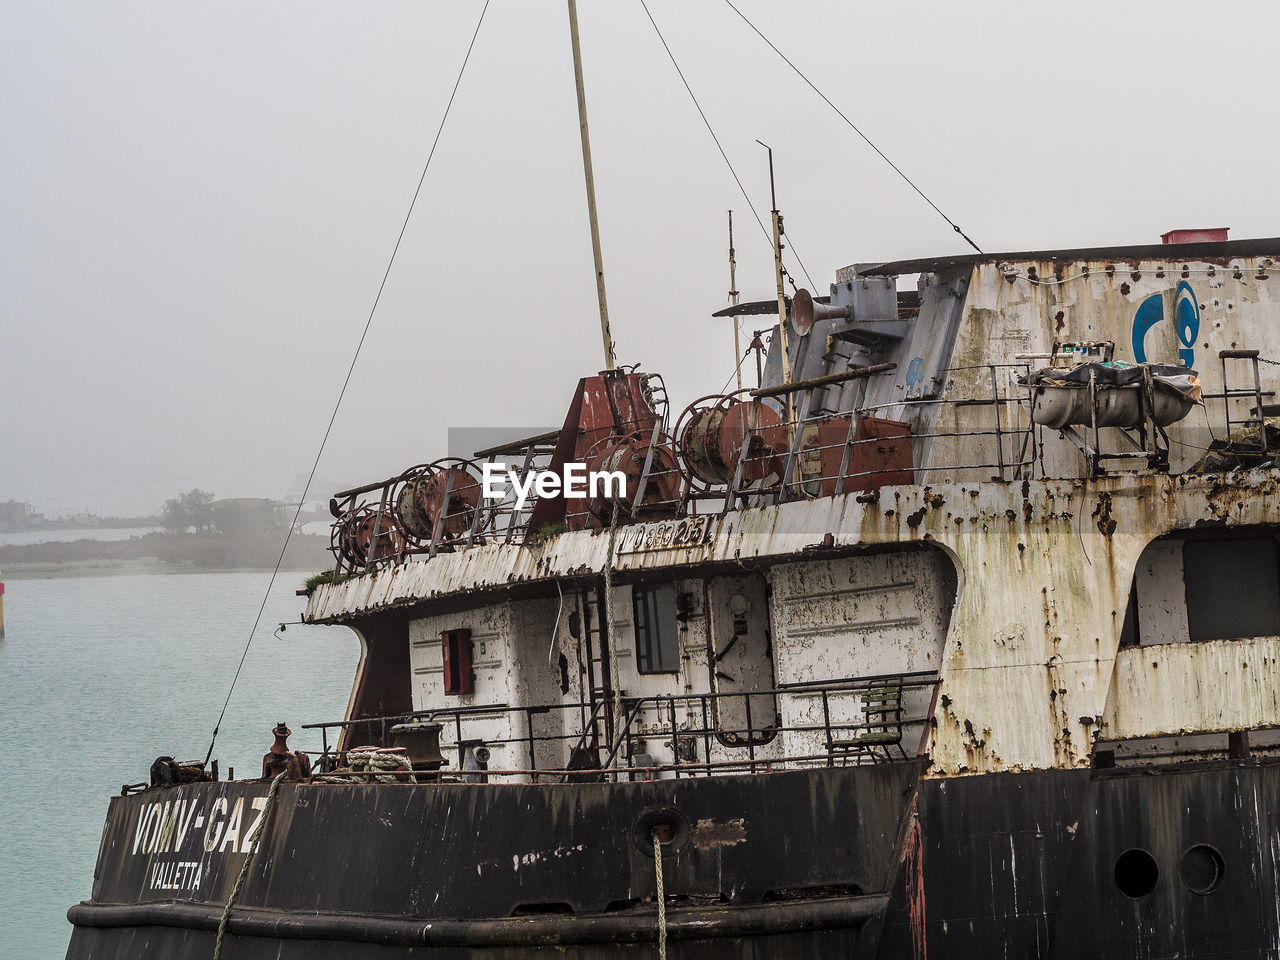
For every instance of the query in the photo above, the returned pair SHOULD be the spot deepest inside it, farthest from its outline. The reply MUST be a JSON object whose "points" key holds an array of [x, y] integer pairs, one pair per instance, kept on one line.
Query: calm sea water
{"points": [[99, 676]]}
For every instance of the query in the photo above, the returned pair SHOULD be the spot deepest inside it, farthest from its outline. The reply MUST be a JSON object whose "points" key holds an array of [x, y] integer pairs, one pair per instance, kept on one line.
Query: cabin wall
{"points": [[1179, 688], [856, 617], [507, 671], [1229, 304]]}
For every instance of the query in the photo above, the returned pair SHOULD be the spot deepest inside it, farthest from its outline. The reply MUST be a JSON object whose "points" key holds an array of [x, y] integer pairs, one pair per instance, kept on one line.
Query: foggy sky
{"points": [[198, 202]]}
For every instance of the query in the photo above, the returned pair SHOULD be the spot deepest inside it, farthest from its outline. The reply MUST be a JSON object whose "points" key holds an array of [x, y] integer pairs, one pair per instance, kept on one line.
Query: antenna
{"points": [[782, 297], [591, 186], [733, 298]]}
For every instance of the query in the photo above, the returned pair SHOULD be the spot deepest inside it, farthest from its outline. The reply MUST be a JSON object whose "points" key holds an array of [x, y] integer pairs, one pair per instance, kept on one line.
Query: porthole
{"points": [[1136, 873], [1201, 869]]}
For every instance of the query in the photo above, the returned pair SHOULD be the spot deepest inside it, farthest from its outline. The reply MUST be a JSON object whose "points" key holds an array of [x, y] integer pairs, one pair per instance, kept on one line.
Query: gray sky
{"points": [[199, 200]]}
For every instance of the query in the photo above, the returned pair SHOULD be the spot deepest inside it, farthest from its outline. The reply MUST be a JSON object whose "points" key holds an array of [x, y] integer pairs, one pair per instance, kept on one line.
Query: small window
{"points": [[455, 649], [1233, 588], [657, 636]]}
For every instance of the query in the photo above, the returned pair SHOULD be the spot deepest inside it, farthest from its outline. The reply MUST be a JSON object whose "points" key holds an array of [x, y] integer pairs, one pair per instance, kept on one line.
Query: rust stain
{"points": [[708, 834], [1102, 515], [913, 862]]}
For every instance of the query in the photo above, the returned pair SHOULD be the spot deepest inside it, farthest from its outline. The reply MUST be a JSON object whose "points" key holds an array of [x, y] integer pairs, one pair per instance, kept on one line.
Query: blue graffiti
{"points": [[915, 376], [1150, 312], [1186, 313]]}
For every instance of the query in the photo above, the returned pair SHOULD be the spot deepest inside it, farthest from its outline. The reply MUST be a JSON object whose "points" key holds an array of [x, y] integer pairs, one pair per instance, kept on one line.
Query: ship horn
{"points": [[805, 312]]}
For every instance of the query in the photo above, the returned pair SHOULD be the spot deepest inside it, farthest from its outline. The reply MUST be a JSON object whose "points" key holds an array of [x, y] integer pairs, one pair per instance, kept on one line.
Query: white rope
{"points": [[369, 760], [662, 898], [244, 869]]}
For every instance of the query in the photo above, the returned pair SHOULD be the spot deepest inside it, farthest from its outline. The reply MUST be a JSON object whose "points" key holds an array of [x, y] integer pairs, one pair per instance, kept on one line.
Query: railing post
{"points": [[706, 732], [995, 405], [1226, 392], [533, 760], [675, 740], [826, 727], [751, 740], [1257, 392], [845, 457]]}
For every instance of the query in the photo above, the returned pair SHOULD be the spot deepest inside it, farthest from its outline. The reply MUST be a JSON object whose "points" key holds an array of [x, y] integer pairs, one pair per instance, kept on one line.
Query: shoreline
{"points": [[137, 566], [159, 553]]}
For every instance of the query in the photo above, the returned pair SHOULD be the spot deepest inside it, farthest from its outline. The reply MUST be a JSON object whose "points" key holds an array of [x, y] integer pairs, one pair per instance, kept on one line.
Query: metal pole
{"points": [[782, 296], [733, 298], [591, 186]]}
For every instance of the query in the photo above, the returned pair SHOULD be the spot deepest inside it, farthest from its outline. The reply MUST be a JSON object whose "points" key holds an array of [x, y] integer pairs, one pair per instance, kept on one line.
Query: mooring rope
{"points": [[662, 897], [248, 860]]}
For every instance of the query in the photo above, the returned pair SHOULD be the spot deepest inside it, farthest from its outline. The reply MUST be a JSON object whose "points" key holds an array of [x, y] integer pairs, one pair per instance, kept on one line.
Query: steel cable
{"points": [[347, 380], [852, 126], [728, 162]]}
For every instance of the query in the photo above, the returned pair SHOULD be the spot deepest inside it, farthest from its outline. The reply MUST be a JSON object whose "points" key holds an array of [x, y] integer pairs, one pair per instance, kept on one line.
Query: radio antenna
{"points": [[733, 298], [591, 186]]}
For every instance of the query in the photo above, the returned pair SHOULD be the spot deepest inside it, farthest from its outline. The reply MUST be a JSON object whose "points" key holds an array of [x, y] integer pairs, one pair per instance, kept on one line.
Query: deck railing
{"points": [[822, 723]]}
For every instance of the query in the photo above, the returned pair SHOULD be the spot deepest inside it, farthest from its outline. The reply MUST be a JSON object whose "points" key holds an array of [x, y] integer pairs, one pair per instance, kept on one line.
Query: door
{"points": [[741, 659]]}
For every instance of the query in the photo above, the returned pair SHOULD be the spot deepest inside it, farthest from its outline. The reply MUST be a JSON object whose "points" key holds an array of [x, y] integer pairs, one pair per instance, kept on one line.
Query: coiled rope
{"points": [[369, 760], [662, 898], [248, 860]]}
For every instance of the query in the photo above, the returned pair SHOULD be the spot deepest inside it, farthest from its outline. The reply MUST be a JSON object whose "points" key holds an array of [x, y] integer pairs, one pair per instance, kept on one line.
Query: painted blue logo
{"points": [[1186, 314]]}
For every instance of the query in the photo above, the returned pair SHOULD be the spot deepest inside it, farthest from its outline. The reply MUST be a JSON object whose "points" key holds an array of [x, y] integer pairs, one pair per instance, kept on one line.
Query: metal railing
{"points": [[787, 727], [829, 454]]}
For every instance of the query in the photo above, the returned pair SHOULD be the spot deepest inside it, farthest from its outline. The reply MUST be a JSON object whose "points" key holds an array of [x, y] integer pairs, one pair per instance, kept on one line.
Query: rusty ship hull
{"points": [[1011, 865]]}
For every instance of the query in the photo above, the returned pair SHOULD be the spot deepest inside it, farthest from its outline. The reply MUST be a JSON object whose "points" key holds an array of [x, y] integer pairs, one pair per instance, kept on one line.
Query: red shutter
{"points": [[455, 646]]}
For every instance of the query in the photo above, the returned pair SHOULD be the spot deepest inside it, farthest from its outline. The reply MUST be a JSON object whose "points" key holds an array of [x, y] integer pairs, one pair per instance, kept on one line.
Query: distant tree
{"points": [[196, 504], [174, 517], [188, 510]]}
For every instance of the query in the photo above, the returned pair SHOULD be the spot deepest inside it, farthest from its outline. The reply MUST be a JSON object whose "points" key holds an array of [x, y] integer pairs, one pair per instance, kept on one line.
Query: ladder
{"points": [[600, 727]]}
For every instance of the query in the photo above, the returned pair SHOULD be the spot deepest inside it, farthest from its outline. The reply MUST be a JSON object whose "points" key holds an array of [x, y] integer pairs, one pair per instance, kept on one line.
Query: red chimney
{"points": [[1202, 235]]}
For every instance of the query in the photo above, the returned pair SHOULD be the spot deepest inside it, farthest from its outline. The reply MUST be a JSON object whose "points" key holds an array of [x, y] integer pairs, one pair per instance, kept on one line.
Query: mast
{"points": [[733, 298], [591, 186], [782, 297]]}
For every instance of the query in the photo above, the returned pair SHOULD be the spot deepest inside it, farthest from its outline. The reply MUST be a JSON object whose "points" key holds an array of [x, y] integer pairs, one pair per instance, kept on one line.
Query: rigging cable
{"points": [[350, 370], [853, 126], [728, 163]]}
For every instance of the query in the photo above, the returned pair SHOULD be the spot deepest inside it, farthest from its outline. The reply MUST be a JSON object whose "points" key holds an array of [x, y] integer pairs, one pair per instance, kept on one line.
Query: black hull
{"points": [[856, 862]]}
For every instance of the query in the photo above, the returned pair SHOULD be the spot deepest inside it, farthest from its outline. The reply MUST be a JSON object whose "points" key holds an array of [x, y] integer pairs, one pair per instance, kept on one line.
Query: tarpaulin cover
{"points": [[1178, 379]]}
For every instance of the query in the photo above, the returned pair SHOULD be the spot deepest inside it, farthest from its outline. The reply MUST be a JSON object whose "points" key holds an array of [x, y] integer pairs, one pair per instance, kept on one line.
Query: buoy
{"points": [[1, 609]]}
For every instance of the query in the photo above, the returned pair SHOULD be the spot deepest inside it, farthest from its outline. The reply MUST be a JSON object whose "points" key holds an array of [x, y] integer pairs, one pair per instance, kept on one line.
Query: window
{"points": [[1233, 588], [657, 636]]}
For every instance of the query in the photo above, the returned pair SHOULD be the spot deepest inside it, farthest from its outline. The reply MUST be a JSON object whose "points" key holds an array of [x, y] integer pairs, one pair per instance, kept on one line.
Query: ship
{"points": [[972, 653], [956, 635]]}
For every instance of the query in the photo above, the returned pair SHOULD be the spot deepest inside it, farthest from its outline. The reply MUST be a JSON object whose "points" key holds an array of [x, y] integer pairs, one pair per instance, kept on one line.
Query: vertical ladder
{"points": [[599, 681], [1228, 394]]}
